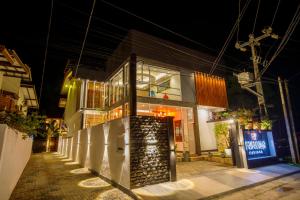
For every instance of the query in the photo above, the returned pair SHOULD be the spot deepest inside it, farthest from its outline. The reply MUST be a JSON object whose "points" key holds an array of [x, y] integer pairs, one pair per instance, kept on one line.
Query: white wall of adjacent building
{"points": [[14, 155]]}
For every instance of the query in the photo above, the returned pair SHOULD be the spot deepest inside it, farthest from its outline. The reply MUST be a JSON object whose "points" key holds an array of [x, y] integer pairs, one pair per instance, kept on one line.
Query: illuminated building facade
{"points": [[154, 100], [148, 76]]}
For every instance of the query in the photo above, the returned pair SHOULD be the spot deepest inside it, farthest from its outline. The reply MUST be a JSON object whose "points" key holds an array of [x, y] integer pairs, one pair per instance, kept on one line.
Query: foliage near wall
{"points": [[222, 134], [30, 125]]}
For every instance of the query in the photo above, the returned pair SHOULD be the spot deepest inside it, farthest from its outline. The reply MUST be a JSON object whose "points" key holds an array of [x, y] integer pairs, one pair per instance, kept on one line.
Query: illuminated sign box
{"points": [[259, 144]]}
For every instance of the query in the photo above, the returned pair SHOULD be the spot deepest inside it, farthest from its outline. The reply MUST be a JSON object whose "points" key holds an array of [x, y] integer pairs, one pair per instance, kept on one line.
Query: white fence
{"points": [[14, 155], [103, 148]]}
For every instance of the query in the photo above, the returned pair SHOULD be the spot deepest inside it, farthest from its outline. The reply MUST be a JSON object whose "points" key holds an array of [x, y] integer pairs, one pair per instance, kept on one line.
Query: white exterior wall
{"points": [[103, 148], [14, 155], [72, 115], [206, 130]]}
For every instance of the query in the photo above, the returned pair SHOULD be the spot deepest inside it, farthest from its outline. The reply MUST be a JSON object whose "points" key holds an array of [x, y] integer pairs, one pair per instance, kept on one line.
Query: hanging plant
{"points": [[266, 124]]}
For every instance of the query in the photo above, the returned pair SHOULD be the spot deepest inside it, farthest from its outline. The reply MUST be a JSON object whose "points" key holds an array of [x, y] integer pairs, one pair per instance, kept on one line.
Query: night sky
{"points": [[24, 26]]}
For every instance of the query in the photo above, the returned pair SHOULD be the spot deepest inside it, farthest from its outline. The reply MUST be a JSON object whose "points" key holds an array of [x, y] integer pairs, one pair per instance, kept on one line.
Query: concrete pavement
{"points": [[286, 188], [49, 176], [214, 183]]}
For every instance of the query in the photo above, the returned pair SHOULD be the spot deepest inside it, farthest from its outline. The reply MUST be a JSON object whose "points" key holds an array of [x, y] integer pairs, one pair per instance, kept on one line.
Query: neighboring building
{"points": [[82, 97], [17, 92]]}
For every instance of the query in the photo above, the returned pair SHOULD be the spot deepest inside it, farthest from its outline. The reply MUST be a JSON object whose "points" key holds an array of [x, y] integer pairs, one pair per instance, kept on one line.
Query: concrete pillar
{"points": [[173, 175], [196, 131], [132, 84]]}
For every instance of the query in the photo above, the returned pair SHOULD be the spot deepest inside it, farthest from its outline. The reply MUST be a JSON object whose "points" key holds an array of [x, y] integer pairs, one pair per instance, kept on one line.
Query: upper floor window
{"points": [[158, 82], [116, 89], [95, 94]]}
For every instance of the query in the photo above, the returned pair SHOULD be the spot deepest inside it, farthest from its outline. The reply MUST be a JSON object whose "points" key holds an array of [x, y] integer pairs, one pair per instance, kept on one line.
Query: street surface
{"points": [[287, 188]]}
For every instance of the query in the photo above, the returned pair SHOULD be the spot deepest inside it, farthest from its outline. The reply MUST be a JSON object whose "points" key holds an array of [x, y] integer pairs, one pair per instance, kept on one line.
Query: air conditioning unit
{"points": [[245, 78]]}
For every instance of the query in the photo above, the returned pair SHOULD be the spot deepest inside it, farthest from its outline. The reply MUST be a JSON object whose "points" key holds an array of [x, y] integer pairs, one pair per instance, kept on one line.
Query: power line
{"points": [[121, 38], [285, 38], [85, 36], [236, 24], [125, 29], [157, 25], [258, 5], [275, 13], [46, 51]]}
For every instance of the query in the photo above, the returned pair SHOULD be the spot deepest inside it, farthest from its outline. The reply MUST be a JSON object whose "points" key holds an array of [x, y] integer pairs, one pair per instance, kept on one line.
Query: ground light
{"points": [[80, 171], [93, 183], [66, 160], [72, 163], [113, 194]]}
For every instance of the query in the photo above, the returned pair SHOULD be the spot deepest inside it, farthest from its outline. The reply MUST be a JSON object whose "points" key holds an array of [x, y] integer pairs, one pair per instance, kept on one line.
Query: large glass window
{"points": [[158, 82], [183, 122], [95, 95], [116, 88], [94, 118], [116, 113]]}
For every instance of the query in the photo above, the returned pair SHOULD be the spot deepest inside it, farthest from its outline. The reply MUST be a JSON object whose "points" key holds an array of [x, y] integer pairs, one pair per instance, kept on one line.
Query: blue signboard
{"points": [[259, 144]]}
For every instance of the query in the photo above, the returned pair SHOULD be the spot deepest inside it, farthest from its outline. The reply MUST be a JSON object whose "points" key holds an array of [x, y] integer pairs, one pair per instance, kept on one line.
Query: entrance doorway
{"points": [[183, 123]]}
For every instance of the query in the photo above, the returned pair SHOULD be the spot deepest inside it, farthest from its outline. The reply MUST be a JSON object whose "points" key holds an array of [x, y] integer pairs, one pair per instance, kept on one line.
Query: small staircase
{"points": [[192, 157], [214, 157]]}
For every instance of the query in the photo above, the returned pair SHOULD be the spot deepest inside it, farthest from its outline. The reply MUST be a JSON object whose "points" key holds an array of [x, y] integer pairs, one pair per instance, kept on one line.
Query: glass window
{"points": [[116, 88], [115, 113], [94, 119], [183, 122], [158, 82], [126, 79], [95, 95]]}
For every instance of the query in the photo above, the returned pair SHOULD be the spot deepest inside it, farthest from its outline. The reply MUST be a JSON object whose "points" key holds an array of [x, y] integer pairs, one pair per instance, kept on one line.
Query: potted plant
{"points": [[223, 140]]}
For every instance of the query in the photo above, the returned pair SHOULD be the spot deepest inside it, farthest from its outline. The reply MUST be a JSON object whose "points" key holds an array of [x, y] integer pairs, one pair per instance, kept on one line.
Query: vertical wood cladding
{"points": [[149, 151], [210, 90]]}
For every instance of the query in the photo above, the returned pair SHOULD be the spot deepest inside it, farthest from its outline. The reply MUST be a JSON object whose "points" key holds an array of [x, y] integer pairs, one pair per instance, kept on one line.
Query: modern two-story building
{"points": [[153, 100], [150, 77]]}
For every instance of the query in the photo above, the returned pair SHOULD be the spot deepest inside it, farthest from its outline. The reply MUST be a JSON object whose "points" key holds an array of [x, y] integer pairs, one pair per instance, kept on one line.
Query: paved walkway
{"points": [[287, 188], [213, 183], [193, 169], [49, 176]]}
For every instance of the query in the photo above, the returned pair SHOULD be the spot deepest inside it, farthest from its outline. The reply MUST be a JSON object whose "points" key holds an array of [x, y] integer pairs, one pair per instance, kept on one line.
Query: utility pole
{"points": [[292, 124], [253, 42], [287, 124]]}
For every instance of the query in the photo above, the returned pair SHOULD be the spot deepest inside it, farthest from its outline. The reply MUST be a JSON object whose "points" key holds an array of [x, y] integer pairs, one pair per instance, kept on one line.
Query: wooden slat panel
{"points": [[210, 90]]}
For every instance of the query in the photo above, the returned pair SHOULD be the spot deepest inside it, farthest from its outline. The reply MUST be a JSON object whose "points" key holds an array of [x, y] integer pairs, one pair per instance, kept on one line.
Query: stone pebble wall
{"points": [[149, 151]]}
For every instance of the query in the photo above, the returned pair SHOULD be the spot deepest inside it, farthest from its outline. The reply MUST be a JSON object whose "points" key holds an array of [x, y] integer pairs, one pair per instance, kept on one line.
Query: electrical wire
{"points": [[236, 24], [285, 38], [46, 51], [157, 25], [275, 13], [85, 36], [257, 10], [125, 29]]}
